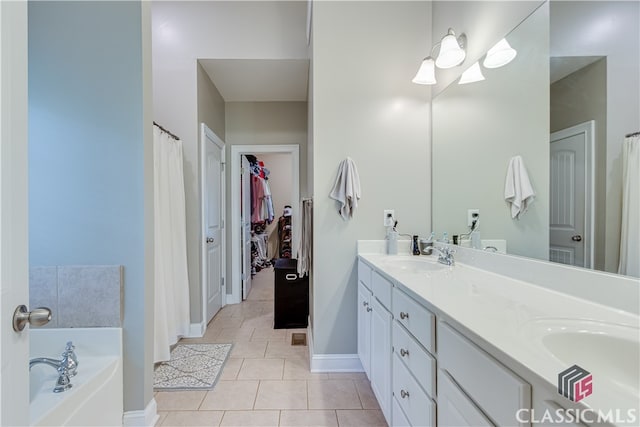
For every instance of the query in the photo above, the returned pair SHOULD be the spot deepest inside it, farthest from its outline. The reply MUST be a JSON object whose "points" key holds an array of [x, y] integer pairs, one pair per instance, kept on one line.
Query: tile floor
{"points": [[266, 381]]}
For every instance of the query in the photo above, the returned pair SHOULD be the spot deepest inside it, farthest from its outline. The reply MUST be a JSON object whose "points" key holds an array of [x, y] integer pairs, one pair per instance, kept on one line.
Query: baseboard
{"points": [[145, 418], [197, 330], [332, 362]]}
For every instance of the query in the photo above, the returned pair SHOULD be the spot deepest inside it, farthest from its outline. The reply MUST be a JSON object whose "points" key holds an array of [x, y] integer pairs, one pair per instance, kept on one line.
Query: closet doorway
{"points": [[240, 227]]}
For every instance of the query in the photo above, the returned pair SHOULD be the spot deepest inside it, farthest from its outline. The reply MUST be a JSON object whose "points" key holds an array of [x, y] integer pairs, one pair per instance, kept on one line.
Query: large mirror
{"points": [[564, 106]]}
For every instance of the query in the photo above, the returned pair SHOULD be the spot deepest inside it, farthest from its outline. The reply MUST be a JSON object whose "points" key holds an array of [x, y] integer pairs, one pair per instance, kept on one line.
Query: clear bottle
{"points": [[392, 242]]}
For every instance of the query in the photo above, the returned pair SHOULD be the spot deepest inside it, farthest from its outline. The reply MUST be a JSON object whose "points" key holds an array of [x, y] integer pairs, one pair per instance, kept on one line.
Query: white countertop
{"points": [[515, 317]]}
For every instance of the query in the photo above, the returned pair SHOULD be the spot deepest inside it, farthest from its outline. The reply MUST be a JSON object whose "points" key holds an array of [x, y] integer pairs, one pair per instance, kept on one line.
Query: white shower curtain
{"points": [[171, 306], [630, 227]]}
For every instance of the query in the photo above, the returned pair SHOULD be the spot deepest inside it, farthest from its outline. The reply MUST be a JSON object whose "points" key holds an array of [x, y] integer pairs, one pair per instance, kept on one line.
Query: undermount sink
{"points": [[415, 264], [611, 352]]}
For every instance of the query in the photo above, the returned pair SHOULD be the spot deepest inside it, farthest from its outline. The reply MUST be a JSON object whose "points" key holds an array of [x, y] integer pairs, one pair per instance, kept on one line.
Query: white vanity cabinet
{"points": [[476, 387], [374, 333], [414, 366]]}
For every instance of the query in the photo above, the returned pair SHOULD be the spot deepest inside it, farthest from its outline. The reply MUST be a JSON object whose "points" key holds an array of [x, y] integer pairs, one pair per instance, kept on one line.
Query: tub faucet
{"points": [[445, 255], [67, 367]]}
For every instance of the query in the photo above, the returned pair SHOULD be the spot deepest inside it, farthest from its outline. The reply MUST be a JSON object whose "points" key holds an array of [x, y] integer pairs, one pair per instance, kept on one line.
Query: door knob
{"points": [[209, 239], [576, 238], [37, 317]]}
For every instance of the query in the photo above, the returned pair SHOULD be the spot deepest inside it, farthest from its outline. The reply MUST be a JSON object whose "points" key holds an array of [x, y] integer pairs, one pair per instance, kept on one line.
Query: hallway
{"points": [[266, 381]]}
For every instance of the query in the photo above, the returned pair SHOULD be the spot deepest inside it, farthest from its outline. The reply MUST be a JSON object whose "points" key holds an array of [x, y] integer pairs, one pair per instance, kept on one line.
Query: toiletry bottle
{"points": [[415, 246], [475, 239], [392, 242]]}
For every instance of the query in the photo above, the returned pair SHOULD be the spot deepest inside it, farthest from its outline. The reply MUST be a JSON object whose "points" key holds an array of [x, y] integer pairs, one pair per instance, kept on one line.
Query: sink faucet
{"points": [[67, 367], [445, 255]]}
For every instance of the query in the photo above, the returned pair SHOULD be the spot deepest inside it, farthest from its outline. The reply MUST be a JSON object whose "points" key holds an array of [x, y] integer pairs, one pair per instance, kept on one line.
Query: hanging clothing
{"points": [[257, 195]]}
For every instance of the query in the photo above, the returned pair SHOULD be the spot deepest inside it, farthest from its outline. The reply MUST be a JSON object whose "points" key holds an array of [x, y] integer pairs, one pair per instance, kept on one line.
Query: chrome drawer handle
{"points": [[404, 315], [404, 352], [364, 303], [369, 309], [291, 276], [404, 394]]}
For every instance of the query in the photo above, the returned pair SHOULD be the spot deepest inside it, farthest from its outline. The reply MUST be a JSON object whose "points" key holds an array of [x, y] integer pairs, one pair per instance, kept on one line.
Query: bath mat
{"points": [[191, 367]]}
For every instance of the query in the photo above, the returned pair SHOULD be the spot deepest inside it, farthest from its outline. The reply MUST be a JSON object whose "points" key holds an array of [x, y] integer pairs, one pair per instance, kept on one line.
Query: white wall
{"points": [[90, 157], [615, 34], [186, 31], [365, 106], [280, 183]]}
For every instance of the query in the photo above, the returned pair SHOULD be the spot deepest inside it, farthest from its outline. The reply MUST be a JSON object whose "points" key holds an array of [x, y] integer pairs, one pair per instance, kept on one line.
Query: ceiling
{"points": [[248, 80]]}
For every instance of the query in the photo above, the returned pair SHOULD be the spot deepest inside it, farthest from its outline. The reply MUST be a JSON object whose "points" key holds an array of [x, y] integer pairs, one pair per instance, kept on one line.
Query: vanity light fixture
{"points": [[500, 54], [472, 74], [426, 74], [452, 51]]}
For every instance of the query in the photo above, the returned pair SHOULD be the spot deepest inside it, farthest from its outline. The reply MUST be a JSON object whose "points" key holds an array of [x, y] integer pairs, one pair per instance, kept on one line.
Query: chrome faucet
{"points": [[445, 255], [67, 367]]}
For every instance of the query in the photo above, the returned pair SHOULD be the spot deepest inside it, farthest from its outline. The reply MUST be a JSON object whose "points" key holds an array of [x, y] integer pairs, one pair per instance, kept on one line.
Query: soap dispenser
{"points": [[392, 240]]}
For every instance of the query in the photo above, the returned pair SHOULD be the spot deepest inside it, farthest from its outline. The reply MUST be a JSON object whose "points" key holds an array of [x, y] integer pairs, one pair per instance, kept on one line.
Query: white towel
{"points": [[518, 191], [346, 189]]}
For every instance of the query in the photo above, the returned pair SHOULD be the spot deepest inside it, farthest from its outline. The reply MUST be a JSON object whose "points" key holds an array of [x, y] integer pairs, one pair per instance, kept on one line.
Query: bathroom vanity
{"points": [[461, 345]]}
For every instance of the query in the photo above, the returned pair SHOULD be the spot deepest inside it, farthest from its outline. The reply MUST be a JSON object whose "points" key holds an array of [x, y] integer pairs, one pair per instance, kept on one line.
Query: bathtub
{"points": [[96, 398]]}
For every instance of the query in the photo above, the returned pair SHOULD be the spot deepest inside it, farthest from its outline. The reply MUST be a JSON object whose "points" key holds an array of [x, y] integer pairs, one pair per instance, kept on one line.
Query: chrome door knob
{"points": [[576, 238], [404, 352], [404, 315], [37, 317], [209, 239]]}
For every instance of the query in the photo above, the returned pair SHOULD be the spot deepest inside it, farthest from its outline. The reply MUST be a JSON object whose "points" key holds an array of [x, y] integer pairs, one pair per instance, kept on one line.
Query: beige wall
{"points": [[211, 106], [280, 183], [575, 99], [365, 106], [264, 123]]}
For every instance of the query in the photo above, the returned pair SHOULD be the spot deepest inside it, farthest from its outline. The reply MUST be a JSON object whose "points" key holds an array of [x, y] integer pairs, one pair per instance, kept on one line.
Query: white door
{"points": [[245, 209], [212, 150], [570, 228], [14, 251], [381, 355]]}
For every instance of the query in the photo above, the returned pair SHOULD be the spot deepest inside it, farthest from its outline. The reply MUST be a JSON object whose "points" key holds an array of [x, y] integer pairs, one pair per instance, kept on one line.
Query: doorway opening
{"points": [[240, 229]]}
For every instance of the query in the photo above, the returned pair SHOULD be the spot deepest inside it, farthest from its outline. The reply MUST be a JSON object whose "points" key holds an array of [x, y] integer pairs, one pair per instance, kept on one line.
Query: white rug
{"points": [[192, 367]]}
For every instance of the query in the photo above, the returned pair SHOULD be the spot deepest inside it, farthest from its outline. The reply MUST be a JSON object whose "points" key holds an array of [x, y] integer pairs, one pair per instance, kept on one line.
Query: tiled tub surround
{"points": [[508, 318], [96, 395], [83, 296]]}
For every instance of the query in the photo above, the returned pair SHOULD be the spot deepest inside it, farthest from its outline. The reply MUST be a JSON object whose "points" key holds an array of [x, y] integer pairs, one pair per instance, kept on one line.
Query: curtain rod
{"points": [[632, 134], [166, 131]]}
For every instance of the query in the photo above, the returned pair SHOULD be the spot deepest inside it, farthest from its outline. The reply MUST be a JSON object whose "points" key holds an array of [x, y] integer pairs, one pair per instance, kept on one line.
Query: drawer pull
{"points": [[404, 315], [364, 303], [404, 352], [369, 309], [291, 276], [404, 394]]}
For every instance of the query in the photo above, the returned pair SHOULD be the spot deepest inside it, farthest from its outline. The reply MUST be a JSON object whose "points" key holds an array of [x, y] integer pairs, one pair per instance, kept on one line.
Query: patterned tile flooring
{"points": [[266, 381]]}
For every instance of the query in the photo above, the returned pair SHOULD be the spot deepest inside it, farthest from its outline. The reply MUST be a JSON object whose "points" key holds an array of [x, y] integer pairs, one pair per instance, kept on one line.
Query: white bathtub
{"points": [[96, 398]]}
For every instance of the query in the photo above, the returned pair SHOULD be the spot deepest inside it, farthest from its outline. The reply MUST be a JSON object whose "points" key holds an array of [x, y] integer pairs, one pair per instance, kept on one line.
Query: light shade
{"points": [[451, 54], [471, 75], [500, 54], [426, 74]]}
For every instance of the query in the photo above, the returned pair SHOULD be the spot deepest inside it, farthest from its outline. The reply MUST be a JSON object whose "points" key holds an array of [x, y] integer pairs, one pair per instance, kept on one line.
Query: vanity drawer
{"points": [[364, 274], [398, 418], [419, 362], [476, 372], [381, 288], [454, 408], [416, 404], [419, 321]]}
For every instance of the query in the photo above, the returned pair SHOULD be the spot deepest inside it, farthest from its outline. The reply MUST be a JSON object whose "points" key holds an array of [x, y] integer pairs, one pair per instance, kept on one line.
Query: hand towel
{"points": [[518, 191], [346, 189]]}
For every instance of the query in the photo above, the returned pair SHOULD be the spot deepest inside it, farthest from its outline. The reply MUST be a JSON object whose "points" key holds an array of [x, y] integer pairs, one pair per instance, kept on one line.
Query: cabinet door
{"points": [[364, 327], [381, 356], [454, 408]]}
